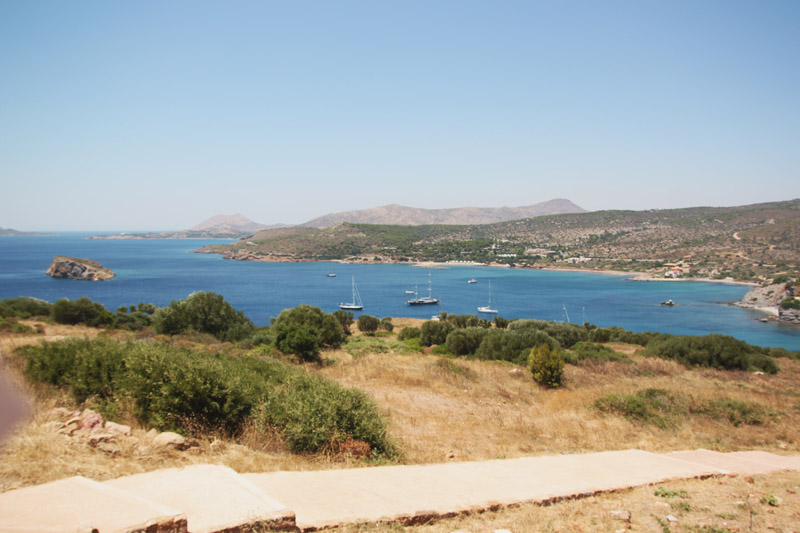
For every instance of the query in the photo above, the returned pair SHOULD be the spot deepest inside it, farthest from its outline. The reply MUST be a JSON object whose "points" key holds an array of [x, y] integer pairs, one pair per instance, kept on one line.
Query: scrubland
{"points": [[440, 408]]}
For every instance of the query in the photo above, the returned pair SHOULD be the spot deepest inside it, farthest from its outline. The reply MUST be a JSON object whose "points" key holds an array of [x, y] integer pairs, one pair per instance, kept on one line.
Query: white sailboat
{"points": [[356, 304], [488, 308], [430, 300]]}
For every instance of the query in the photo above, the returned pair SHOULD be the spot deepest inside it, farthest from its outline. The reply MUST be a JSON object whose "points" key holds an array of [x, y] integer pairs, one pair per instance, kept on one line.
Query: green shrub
{"points": [[584, 350], [409, 333], [16, 327], [81, 311], [736, 412], [328, 328], [386, 324], [664, 409], [300, 340], [180, 389], [314, 412], [86, 368], [782, 352], [435, 332], [513, 345], [713, 351], [500, 322], [466, 321], [368, 324], [190, 391], [547, 366], [24, 307], [465, 341], [132, 319], [205, 312], [413, 344], [651, 406], [344, 318], [790, 303], [260, 338], [363, 345]]}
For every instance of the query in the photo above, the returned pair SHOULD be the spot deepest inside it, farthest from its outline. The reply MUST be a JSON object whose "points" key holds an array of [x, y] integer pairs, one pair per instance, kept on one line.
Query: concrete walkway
{"points": [[209, 498]]}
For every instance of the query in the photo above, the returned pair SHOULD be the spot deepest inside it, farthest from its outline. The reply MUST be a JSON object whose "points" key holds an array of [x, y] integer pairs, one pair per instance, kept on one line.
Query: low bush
{"points": [[135, 318], [651, 406], [24, 307], [363, 345], [500, 322], [180, 389], [513, 345], [368, 324], [435, 332], [305, 329], [664, 409], [87, 368], [713, 351], [589, 351], [465, 341], [81, 311], [736, 412], [11, 324], [409, 333], [466, 321]]}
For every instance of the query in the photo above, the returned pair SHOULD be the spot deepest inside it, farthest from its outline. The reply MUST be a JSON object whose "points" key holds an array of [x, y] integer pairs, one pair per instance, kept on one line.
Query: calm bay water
{"points": [[159, 271]]}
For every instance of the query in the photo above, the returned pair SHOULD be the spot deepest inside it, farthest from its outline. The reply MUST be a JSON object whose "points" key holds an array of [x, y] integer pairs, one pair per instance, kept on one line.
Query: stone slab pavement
{"points": [[214, 498], [753, 462], [405, 493], [80, 505]]}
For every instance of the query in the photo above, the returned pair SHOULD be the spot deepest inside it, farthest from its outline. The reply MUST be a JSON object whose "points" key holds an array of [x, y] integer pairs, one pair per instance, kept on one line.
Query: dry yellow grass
{"points": [[442, 409]]}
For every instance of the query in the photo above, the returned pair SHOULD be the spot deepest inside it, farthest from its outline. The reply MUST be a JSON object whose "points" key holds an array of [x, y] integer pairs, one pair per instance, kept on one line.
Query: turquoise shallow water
{"points": [[159, 271]]}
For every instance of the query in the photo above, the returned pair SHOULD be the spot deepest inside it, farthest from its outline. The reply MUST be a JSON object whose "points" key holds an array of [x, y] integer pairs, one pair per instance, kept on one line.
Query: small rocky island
{"points": [[78, 268]]}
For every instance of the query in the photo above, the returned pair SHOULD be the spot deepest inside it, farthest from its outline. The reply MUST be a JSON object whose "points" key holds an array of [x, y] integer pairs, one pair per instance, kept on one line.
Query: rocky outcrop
{"points": [[77, 268], [766, 298], [791, 316], [769, 298]]}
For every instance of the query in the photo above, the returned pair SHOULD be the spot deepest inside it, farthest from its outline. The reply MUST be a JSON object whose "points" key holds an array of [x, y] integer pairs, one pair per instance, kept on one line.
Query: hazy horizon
{"points": [[155, 116]]}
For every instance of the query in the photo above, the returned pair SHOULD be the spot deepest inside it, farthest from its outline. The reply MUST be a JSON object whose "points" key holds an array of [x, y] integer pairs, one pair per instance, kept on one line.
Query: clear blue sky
{"points": [[158, 114]]}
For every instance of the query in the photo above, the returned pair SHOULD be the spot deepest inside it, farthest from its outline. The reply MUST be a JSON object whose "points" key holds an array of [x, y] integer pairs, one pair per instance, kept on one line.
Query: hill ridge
{"points": [[396, 214]]}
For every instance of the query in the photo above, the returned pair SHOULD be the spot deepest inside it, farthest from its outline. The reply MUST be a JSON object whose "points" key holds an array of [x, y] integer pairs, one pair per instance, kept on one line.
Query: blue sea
{"points": [[162, 270]]}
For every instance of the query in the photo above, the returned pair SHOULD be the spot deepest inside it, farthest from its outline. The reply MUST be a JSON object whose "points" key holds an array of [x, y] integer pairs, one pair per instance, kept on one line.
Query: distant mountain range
{"points": [[394, 214], [217, 227], [232, 224], [238, 226]]}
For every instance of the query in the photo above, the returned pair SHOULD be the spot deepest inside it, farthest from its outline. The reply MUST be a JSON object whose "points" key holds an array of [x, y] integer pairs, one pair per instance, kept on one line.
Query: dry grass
{"points": [[442, 409]]}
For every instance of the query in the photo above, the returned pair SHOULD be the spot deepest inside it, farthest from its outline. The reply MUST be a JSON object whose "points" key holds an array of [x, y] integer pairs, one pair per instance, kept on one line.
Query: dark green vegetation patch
{"points": [[665, 409], [196, 392]]}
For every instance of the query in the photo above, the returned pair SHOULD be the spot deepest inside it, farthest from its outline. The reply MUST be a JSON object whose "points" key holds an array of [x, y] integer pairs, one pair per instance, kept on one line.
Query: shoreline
{"points": [[632, 275]]}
